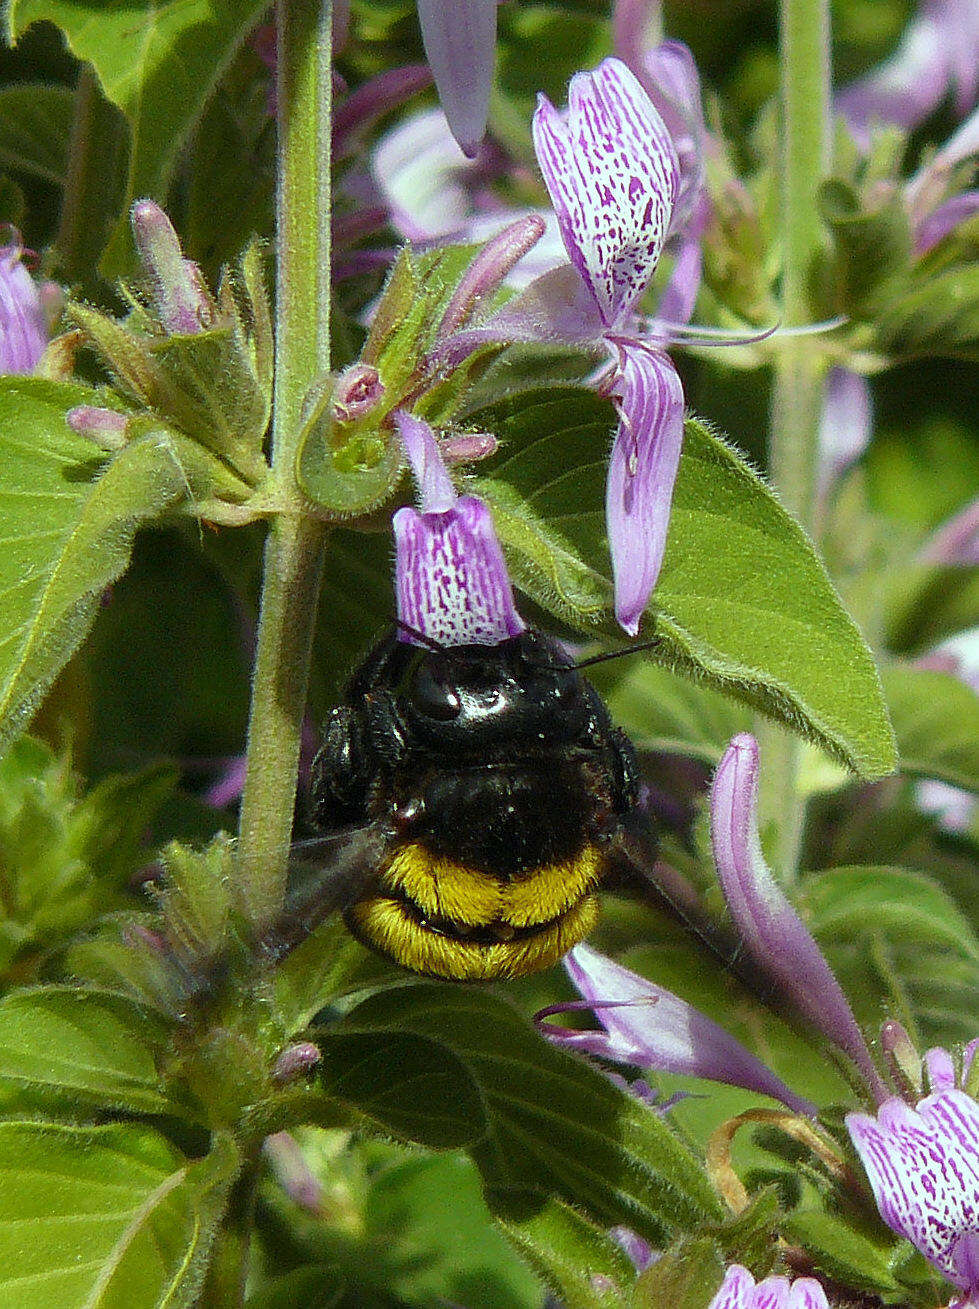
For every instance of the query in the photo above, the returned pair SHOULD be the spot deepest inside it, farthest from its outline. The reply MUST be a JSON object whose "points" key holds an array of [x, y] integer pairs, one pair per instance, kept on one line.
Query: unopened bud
{"points": [[488, 270], [296, 1061], [106, 427], [180, 297], [358, 391], [902, 1059], [467, 447]]}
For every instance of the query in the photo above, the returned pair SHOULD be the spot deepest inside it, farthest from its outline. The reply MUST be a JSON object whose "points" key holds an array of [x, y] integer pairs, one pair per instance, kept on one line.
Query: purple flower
{"points": [[938, 53], [934, 207], [613, 174], [740, 1291], [772, 931], [923, 1167], [460, 41], [450, 577], [23, 326], [956, 541], [650, 1027]]}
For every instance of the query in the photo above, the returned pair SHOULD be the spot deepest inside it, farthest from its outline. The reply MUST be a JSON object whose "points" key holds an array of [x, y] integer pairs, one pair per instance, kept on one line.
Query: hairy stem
{"points": [[227, 1273], [797, 395], [294, 548]]}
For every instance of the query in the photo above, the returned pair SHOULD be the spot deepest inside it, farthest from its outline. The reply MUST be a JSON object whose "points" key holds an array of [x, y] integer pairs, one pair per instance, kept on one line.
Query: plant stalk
{"points": [[799, 370], [227, 1272], [294, 547]]}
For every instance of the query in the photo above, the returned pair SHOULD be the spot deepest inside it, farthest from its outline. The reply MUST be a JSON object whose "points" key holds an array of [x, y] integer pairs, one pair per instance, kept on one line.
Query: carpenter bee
{"points": [[483, 788]]}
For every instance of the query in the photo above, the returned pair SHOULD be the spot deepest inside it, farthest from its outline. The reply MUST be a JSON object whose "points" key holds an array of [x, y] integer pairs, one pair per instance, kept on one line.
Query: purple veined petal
{"points": [[807, 1293], [772, 930], [676, 304], [460, 43], [451, 580], [636, 27], [942, 221], [968, 1054], [23, 326], [374, 98], [435, 489], [663, 1032], [941, 1070], [670, 77], [923, 1169], [179, 295], [845, 424], [611, 169], [965, 1262], [771, 1293], [641, 475], [736, 1291]]}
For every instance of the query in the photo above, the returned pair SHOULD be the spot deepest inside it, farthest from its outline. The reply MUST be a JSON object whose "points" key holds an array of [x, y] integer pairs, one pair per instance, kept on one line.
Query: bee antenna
{"points": [[420, 637], [618, 654]]}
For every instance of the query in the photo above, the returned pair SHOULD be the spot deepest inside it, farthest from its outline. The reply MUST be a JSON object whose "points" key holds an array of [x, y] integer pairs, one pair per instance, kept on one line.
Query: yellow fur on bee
{"points": [[389, 927], [444, 889]]}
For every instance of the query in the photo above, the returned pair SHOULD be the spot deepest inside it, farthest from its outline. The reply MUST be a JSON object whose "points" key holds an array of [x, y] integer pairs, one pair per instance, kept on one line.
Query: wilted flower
{"points": [[772, 931], [740, 1291], [647, 1026], [451, 581], [938, 53], [23, 326], [923, 1167]]}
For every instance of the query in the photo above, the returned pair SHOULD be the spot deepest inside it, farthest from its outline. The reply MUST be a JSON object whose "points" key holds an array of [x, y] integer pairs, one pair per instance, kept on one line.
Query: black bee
{"points": [[487, 786]]}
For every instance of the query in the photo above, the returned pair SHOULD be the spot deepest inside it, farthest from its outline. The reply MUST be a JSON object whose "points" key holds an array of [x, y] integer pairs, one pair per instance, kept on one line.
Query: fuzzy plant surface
{"points": [[489, 654]]}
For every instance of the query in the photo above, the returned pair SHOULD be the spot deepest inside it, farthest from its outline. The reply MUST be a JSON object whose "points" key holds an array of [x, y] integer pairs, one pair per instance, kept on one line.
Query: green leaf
{"points": [[556, 1125], [69, 521], [847, 902], [407, 1085], [686, 1279], [90, 1044], [742, 602], [158, 60], [35, 124], [576, 1260], [936, 721], [105, 1217], [328, 964], [938, 314], [664, 712], [841, 1251]]}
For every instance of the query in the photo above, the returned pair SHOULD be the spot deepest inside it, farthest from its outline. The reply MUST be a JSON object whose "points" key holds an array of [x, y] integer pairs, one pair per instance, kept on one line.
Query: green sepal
{"points": [[576, 1260], [838, 1248], [871, 247], [685, 1278]]}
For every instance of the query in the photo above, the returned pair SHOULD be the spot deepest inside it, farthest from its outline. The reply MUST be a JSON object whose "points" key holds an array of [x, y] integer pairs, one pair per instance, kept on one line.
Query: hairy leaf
{"points": [[556, 1126], [105, 1217], [158, 60], [742, 602], [35, 123], [69, 519]]}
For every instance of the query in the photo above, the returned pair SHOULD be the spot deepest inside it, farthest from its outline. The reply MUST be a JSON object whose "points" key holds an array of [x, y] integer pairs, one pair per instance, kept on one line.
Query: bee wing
{"points": [[327, 873]]}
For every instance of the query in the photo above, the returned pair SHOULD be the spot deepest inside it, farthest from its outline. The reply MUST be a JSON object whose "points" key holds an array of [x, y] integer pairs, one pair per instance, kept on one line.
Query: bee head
{"points": [[524, 689]]}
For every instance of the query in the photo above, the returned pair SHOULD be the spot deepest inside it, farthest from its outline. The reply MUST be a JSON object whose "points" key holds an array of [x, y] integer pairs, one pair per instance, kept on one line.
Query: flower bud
{"points": [[180, 297], [106, 427], [358, 391]]}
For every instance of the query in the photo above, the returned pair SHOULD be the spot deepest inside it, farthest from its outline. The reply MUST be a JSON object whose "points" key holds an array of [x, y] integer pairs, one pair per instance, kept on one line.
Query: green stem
{"points": [[797, 394], [294, 548]]}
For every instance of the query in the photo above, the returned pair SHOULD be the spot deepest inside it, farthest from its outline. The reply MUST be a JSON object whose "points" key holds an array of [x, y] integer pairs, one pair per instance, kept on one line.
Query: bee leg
{"points": [[341, 771]]}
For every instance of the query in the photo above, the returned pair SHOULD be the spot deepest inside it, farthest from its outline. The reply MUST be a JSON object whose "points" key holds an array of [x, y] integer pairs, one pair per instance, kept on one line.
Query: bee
{"points": [[484, 788]]}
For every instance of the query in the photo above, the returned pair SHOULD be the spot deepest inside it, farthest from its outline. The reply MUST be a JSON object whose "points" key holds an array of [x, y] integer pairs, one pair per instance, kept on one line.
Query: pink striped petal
{"points": [[435, 490], [736, 1290], [807, 1293], [451, 581], [641, 475], [460, 42], [611, 169]]}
